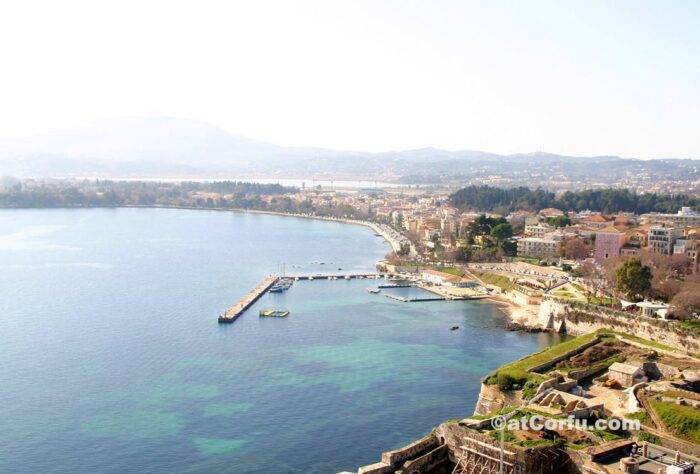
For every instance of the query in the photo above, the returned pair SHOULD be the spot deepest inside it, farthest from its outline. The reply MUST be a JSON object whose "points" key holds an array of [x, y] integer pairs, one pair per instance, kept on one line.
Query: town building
{"points": [[538, 247], [686, 217], [630, 249], [661, 239], [597, 221], [551, 212], [626, 375], [435, 277], [538, 230], [608, 244]]}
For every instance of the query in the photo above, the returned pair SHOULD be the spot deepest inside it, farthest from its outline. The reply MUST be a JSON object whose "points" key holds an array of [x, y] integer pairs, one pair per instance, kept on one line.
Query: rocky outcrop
{"points": [[514, 326]]}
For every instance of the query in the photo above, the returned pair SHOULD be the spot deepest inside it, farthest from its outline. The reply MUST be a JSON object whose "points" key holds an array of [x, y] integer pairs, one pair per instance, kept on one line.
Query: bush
{"points": [[530, 389], [504, 381]]}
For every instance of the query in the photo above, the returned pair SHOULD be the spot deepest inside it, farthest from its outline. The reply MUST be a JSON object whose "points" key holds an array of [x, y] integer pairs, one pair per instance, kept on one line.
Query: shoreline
{"points": [[516, 313], [393, 242]]}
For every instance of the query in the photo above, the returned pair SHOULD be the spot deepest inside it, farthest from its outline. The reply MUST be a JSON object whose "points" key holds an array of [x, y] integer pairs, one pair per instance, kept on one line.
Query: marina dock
{"points": [[414, 300], [231, 314], [338, 276]]}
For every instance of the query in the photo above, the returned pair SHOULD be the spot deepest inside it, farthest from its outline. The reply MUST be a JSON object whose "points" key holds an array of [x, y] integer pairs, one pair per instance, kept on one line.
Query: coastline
{"points": [[393, 242], [516, 313]]}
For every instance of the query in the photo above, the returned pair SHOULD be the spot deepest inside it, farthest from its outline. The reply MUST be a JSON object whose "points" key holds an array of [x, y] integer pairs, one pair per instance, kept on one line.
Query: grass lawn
{"points": [[452, 271], [518, 370], [646, 342], [602, 301], [564, 294], [683, 421], [642, 416], [674, 393], [690, 324], [498, 280], [519, 377]]}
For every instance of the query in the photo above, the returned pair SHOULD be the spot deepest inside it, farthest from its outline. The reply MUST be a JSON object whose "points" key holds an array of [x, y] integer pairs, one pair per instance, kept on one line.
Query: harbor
{"points": [[279, 284]]}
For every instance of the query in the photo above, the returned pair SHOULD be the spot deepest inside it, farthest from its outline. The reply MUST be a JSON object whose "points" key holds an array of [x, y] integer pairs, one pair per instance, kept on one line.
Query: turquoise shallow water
{"points": [[112, 360]]}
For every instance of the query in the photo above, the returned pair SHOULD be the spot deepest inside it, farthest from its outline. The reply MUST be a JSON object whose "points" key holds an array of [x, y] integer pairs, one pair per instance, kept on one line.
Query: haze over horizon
{"points": [[119, 122], [581, 79]]}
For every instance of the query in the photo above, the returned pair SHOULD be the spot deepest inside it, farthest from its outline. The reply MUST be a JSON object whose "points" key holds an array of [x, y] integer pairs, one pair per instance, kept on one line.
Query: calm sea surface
{"points": [[111, 359]]}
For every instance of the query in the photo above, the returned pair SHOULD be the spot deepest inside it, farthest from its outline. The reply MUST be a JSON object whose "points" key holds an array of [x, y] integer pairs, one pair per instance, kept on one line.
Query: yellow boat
{"points": [[274, 313]]}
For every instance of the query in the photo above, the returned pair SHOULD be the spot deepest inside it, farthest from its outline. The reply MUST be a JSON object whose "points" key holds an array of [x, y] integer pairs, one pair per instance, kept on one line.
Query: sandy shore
{"points": [[517, 313]]}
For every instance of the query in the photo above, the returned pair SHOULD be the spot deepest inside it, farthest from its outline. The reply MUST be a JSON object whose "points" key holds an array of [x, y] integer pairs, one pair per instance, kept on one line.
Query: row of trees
{"points": [[123, 193], [487, 238], [655, 276], [488, 198]]}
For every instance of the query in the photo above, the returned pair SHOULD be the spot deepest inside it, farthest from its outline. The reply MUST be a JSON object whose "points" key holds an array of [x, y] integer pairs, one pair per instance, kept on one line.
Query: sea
{"points": [[112, 360]]}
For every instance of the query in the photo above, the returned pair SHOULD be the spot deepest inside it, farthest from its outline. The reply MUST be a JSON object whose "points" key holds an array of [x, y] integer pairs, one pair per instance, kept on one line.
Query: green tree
{"points": [[633, 279], [502, 232]]}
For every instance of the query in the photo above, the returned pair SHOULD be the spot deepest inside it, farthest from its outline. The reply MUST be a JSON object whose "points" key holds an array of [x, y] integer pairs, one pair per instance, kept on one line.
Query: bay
{"points": [[112, 359]]}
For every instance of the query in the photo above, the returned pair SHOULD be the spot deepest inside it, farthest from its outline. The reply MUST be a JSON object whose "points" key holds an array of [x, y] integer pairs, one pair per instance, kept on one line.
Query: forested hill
{"points": [[487, 198]]}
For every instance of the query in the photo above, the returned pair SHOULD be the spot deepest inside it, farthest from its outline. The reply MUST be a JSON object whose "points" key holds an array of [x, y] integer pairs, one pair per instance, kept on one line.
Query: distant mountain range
{"points": [[173, 147]]}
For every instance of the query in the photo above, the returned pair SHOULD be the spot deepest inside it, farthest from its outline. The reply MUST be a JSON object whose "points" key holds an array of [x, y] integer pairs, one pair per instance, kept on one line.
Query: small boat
{"points": [[347, 277], [374, 290], [274, 313], [454, 328], [276, 288]]}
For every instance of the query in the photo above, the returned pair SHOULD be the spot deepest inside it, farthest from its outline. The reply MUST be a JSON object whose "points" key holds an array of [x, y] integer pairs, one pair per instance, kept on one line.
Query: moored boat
{"points": [[274, 313]]}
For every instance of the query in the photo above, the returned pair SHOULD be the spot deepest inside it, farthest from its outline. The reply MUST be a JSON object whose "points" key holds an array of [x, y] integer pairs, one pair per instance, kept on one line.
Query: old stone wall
{"points": [[492, 399], [394, 460], [543, 460], [578, 318]]}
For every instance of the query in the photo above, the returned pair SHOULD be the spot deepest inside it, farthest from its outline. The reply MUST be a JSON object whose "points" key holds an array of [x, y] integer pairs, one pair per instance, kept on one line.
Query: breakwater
{"points": [[231, 314]]}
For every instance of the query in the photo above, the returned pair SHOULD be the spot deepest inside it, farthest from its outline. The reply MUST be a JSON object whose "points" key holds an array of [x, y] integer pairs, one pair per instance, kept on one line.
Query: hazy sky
{"points": [[588, 77]]}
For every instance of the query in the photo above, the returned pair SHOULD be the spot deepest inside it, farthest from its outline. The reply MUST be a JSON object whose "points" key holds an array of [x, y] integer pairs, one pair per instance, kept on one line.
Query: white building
{"points": [[538, 247], [538, 230], [661, 239], [686, 217]]}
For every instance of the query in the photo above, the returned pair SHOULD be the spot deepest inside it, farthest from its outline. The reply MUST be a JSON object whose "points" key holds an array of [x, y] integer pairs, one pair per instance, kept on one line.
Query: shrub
{"points": [[530, 389], [505, 381]]}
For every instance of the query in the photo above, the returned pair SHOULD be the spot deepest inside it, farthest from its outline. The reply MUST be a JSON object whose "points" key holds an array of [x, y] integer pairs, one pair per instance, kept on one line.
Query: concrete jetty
{"points": [[231, 314], [414, 300], [338, 276], [396, 285]]}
